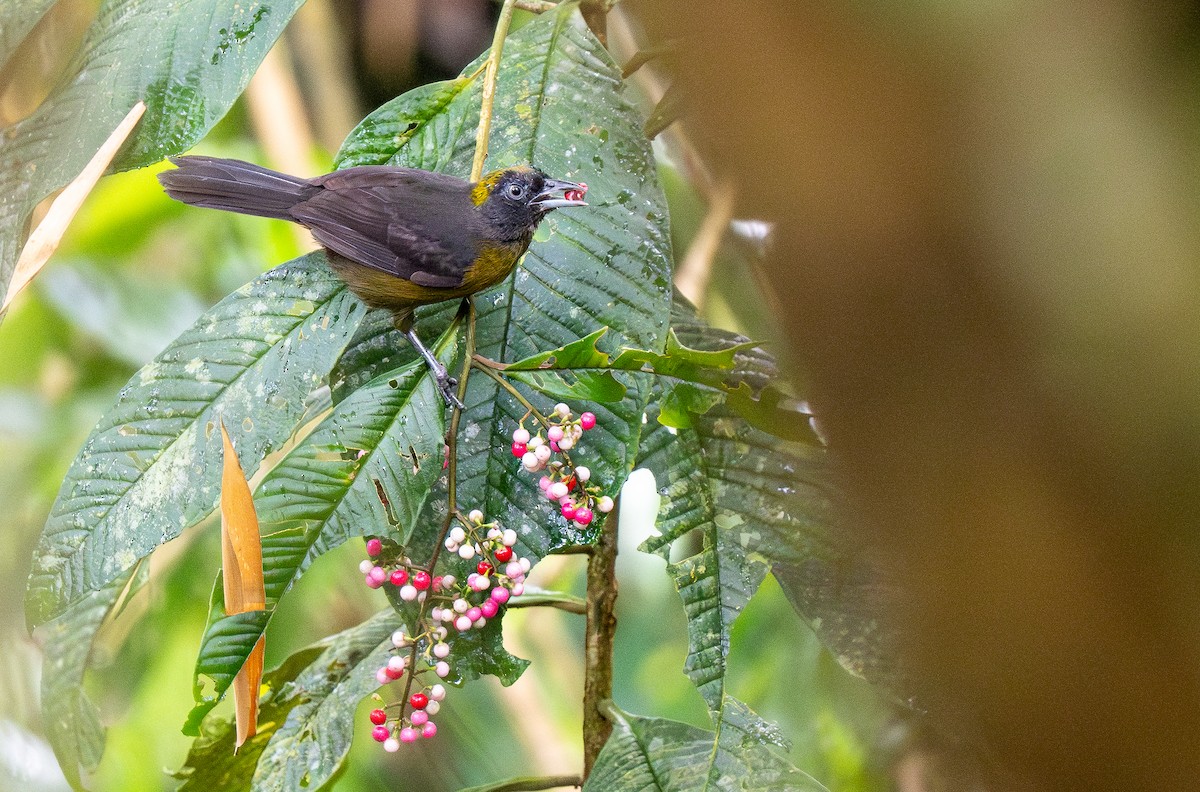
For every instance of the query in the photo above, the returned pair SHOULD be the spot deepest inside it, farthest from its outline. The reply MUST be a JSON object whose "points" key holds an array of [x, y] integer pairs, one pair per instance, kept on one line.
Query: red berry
{"points": [[393, 673], [421, 580], [503, 554], [583, 515], [587, 420], [484, 568], [374, 547], [437, 582], [568, 510], [570, 482], [381, 733], [399, 577], [418, 700], [378, 716], [519, 449]]}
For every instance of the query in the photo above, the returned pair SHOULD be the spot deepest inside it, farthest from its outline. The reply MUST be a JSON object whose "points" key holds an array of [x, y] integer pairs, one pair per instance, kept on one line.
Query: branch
{"points": [[489, 90], [540, 782], [600, 632]]}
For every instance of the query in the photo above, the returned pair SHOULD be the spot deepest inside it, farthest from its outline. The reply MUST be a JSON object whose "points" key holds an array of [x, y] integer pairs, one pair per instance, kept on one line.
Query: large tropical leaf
{"points": [[187, 61], [747, 498], [659, 755], [71, 720], [560, 106], [151, 467], [384, 442], [306, 717]]}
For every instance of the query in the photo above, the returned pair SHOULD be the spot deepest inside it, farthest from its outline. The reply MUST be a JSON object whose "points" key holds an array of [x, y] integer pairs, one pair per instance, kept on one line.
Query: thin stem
{"points": [[541, 782], [451, 496], [489, 89], [599, 635], [516, 394], [535, 6]]}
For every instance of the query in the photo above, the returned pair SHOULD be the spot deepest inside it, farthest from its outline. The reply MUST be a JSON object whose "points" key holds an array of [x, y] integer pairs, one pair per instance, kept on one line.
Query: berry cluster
{"points": [[563, 482], [499, 575]]}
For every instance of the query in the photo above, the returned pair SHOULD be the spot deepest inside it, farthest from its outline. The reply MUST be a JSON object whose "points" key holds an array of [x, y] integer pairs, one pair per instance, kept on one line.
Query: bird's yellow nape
{"points": [[483, 188]]}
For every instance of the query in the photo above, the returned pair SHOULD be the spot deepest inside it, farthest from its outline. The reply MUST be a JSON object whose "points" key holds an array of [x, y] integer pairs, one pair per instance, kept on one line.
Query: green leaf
{"points": [[305, 717], [668, 756], [842, 601], [567, 372], [744, 497], [693, 380], [187, 61], [151, 467], [380, 135], [366, 469], [69, 717]]}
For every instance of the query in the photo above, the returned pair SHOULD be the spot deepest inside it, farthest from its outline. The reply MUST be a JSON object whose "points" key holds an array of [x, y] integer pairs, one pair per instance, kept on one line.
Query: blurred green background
{"points": [[136, 268]]}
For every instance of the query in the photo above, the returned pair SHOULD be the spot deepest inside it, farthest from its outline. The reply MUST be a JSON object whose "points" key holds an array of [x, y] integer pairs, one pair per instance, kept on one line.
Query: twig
{"points": [[535, 6], [541, 782], [516, 394], [49, 232], [451, 496], [695, 271], [489, 89], [598, 643]]}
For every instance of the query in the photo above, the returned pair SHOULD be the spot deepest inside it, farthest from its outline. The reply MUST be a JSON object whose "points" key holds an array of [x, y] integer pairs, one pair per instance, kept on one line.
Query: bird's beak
{"points": [[572, 194]]}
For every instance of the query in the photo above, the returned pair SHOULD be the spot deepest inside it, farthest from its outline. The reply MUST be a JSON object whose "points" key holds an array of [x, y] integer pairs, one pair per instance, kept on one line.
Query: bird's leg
{"points": [[446, 383]]}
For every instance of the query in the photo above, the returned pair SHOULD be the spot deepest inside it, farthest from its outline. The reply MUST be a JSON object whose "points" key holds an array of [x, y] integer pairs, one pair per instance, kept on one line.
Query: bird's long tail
{"points": [[235, 186]]}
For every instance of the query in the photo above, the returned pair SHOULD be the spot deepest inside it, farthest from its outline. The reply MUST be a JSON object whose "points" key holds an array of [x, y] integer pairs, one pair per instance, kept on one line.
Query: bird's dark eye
{"points": [[516, 191]]}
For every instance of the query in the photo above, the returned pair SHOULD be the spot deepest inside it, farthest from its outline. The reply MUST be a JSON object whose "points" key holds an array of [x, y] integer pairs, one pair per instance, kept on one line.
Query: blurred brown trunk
{"points": [[987, 258]]}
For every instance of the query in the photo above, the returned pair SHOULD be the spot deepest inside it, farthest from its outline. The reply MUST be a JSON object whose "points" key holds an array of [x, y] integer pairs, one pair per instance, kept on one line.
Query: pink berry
{"points": [[374, 547], [377, 574], [399, 577], [568, 509], [559, 490], [372, 582], [418, 700], [513, 569], [437, 582], [381, 676], [499, 595], [442, 669], [489, 608], [473, 614], [520, 435], [605, 505], [408, 735], [380, 733], [378, 716], [421, 580], [544, 483], [554, 446], [587, 420], [518, 589], [519, 449], [419, 718], [463, 623], [428, 730], [554, 434], [583, 515]]}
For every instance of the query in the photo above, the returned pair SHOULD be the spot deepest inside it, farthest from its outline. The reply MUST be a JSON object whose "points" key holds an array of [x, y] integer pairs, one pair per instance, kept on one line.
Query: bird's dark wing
{"points": [[412, 224]]}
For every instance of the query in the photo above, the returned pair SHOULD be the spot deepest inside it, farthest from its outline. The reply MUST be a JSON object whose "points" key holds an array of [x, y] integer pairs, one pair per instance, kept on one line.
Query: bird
{"points": [[398, 237]]}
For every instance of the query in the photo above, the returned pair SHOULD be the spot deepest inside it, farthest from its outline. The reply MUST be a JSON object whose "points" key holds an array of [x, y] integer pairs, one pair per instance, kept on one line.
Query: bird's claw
{"points": [[448, 386]]}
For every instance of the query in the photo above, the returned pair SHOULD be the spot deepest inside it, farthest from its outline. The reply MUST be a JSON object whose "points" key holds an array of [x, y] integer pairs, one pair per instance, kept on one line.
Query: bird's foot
{"points": [[449, 387]]}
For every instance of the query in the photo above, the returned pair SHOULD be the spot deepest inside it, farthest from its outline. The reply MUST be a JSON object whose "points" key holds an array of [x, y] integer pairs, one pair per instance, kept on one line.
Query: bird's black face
{"points": [[515, 200]]}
